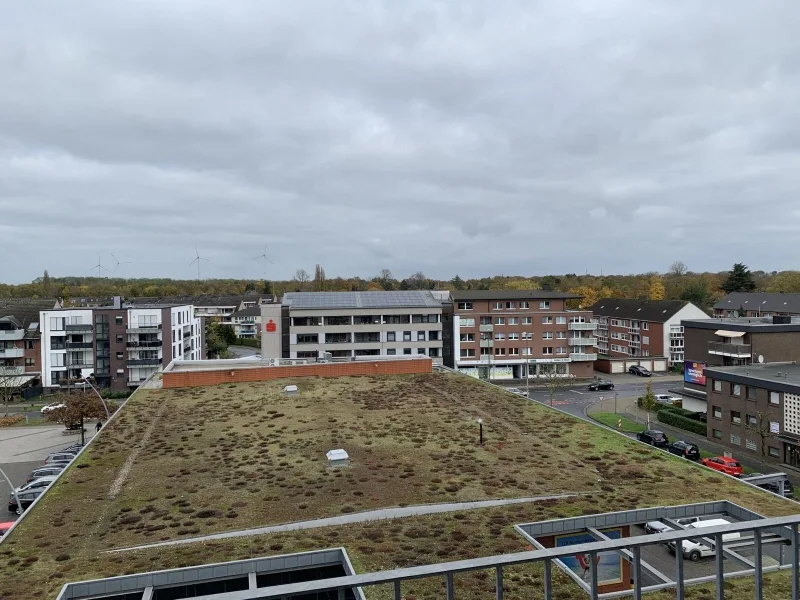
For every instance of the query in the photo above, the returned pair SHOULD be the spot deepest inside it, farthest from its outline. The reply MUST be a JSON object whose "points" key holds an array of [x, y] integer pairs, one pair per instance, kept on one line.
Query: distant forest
{"points": [[703, 289]]}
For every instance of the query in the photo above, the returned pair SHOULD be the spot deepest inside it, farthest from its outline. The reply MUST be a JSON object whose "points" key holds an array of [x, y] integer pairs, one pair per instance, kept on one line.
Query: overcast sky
{"points": [[470, 137]]}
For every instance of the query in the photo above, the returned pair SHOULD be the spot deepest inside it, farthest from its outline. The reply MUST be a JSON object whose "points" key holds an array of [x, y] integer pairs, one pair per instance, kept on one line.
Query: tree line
{"points": [[677, 283]]}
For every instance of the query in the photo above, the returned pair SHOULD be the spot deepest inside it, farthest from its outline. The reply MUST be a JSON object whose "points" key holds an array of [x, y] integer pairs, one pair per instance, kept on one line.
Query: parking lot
{"points": [[22, 449]]}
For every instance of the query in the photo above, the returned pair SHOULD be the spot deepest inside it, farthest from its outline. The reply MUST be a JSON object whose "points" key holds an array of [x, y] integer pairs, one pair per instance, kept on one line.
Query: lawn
{"points": [[612, 420], [181, 463]]}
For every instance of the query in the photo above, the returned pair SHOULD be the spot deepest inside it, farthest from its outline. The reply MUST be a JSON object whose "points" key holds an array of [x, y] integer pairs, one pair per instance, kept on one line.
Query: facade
{"points": [[514, 334], [351, 325], [757, 304], [120, 346], [755, 410], [246, 323], [628, 327]]}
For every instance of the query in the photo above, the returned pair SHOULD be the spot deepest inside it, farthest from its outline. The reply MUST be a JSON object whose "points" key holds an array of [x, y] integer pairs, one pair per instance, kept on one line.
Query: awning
{"points": [[17, 381], [731, 334]]}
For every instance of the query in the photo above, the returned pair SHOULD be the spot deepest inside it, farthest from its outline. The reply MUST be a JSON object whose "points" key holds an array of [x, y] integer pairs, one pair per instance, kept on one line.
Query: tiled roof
{"points": [[760, 301], [26, 310], [460, 296], [656, 311]]}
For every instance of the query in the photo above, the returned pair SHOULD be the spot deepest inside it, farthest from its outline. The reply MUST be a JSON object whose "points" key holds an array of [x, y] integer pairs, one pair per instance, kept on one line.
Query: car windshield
{"points": [[658, 435], [734, 463]]}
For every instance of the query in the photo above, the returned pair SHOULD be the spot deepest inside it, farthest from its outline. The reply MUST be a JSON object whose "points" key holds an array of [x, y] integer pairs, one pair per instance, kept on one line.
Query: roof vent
{"points": [[337, 458], [290, 389]]}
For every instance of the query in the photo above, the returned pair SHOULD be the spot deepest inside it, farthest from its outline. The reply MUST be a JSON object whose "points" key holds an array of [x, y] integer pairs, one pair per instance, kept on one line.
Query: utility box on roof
{"points": [[337, 458]]}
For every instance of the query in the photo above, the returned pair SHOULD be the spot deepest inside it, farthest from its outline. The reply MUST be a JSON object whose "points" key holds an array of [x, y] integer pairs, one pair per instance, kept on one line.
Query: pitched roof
{"points": [[253, 311], [657, 311], [348, 300], [761, 301], [461, 295], [26, 310]]}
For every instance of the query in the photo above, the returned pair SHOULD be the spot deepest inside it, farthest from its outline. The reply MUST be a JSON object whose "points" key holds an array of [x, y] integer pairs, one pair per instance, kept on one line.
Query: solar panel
{"points": [[353, 300]]}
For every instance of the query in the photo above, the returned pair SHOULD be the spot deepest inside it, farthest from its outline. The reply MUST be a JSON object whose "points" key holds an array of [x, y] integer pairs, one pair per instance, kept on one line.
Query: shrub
{"points": [[11, 420], [669, 417]]}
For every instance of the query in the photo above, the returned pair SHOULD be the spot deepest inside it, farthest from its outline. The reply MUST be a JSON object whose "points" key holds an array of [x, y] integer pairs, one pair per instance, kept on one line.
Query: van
{"points": [[695, 550]]}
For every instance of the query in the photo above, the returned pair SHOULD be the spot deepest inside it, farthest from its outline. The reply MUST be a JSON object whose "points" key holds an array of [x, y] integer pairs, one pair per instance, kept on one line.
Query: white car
{"points": [[694, 551], [660, 527], [50, 407], [667, 399], [517, 391], [36, 483]]}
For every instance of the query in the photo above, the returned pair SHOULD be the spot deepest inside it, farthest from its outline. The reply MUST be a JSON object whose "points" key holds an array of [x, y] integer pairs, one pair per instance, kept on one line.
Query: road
{"points": [[241, 351]]}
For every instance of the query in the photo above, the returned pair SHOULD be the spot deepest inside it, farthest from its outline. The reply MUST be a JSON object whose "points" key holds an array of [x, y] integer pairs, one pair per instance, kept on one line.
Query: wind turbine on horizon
{"points": [[197, 260], [125, 262], [99, 267], [266, 259]]}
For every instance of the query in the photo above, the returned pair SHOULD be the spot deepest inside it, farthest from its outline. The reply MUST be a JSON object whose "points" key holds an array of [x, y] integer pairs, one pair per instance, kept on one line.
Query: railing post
{"points": [[593, 592], [498, 582], [397, 590], [637, 573], [679, 587], [449, 582], [720, 566], [548, 582], [341, 593], [757, 562], [795, 560]]}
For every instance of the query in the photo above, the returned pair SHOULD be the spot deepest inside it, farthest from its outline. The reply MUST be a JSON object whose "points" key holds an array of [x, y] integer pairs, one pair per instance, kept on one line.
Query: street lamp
{"points": [[94, 389], [13, 491], [480, 429]]}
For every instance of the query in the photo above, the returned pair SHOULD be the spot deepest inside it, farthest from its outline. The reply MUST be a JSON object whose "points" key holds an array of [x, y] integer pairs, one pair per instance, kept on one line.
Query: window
{"points": [[750, 444], [407, 351], [404, 319], [645, 339], [547, 320], [752, 421], [30, 362], [56, 360], [561, 320], [467, 353], [511, 305], [420, 336], [774, 398], [561, 335], [547, 335], [420, 350], [717, 385], [434, 352], [526, 352], [486, 320], [28, 344], [736, 389], [513, 351], [773, 452], [735, 439], [561, 350], [498, 306], [120, 339], [544, 304], [513, 320], [499, 336], [513, 336], [424, 318], [465, 306], [120, 356], [466, 337], [751, 392], [307, 338], [717, 412], [527, 320], [57, 343], [391, 336], [500, 321], [524, 304], [499, 351], [736, 417], [341, 321], [644, 325], [406, 336], [547, 350], [716, 433], [118, 319], [527, 335]]}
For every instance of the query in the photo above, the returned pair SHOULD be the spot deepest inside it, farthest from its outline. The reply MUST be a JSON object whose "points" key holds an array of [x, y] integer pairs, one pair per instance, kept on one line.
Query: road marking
{"points": [[577, 392]]}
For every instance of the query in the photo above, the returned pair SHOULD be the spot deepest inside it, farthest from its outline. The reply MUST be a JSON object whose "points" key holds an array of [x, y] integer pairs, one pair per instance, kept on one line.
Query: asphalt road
{"points": [[241, 351]]}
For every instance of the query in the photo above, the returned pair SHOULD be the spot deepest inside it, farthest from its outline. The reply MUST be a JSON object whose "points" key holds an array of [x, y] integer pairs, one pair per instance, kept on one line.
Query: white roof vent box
{"points": [[290, 389], [337, 458]]}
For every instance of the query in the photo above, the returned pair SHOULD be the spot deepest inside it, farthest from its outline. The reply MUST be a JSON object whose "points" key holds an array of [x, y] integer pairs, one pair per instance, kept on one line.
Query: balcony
{"points": [[187, 334], [135, 382], [83, 363], [78, 345], [247, 322], [11, 335], [333, 339], [487, 344], [583, 341], [582, 326], [732, 350], [11, 371], [85, 328], [579, 356], [134, 328], [147, 344], [486, 328], [145, 362], [12, 352]]}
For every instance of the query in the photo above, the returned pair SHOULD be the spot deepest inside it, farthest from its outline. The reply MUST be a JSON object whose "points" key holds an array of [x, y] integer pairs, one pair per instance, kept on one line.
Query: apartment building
{"points": [[120, 345], [246, 323], [631, 328], [19, 339], [514, 334], [757, 304], [352, 325], [755, 410]]}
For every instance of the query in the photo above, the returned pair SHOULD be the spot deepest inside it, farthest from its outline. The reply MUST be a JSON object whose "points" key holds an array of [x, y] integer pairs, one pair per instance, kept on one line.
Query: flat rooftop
{"points": [[175, 466], [358, 300], [783, 373], [743, 324]]}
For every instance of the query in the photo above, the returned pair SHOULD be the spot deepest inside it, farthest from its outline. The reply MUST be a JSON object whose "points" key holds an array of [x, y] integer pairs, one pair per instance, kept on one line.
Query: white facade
{"points": [[66, 345], [673, 332], [185, 333]]}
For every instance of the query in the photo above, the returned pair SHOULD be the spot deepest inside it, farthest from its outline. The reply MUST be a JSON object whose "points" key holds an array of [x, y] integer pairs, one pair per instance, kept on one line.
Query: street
{"points": [[241, 351]]}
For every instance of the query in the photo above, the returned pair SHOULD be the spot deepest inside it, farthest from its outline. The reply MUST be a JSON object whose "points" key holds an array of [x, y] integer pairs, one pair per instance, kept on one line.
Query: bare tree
{"points": [[319, 278], [554, 381], [10, 378], [76, 409], [678, 268], [301, 277], [386, 279], [417, 281], [761, 426]]}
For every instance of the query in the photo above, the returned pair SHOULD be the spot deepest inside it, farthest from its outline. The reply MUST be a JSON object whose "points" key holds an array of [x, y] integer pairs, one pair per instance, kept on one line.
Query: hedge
{"points": [[677, 410], [670, 417], [252, 343]]}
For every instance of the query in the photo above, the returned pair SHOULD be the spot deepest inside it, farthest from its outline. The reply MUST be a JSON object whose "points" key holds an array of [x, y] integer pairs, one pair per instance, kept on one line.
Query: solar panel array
{"points": [[347, 300]]}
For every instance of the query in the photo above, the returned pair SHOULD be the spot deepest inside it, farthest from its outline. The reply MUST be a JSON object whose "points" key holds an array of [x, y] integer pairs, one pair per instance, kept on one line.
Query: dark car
{"points": [[653, 437], [684, 449], [602, 384], [25, 500], [639, 371]]}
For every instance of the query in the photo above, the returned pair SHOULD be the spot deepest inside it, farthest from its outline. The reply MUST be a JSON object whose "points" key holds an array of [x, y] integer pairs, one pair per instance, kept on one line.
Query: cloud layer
{"points": [[470, 137]]}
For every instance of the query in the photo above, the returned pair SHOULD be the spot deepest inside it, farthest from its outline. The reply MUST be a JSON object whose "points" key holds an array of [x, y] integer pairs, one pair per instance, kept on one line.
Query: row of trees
{"points": [[703, 289]]}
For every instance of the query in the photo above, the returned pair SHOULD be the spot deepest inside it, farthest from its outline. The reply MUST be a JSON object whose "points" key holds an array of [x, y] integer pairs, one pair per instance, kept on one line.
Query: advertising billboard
{"points": [[693, 372], [609, 564]]}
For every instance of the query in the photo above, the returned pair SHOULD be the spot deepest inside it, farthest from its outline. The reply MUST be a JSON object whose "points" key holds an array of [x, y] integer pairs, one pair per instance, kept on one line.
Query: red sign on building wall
{"points": [[271, 327]]}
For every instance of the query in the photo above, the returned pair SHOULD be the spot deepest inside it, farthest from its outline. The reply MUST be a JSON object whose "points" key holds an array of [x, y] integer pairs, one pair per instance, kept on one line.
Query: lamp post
{"points": [[94, 389], [13, 491], [480, 430]]}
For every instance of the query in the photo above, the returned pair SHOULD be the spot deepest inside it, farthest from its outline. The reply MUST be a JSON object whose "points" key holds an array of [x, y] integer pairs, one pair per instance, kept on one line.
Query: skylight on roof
{"points": [[33, 326]]}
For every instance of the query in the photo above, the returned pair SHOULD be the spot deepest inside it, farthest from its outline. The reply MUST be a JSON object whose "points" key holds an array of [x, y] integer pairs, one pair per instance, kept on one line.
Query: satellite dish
{"points": [[760, 358]]}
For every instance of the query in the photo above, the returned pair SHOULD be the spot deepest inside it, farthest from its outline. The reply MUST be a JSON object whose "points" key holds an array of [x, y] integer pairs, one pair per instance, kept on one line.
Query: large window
{"points": [[467, 322], [486, 320], [337, 320], [498, 306], [561, 335], [307, 338], [56, 360], [524, 304], [367, 320], [420, 336], [547, 335], [306, 321], [513, 336], [467, 353], [424, 318], [391, 352], [467, 337], [57, 343], [500, 321], [527, 320], [547, 320], [30, 362], [499, 335], [465, 306], [405, 319], [511, 305], [736, 417], [513, 320], [406, 336], [513, 351], [774, 398], [561, 320], [499, 351], [390, 336], [544, 304], [547, 350], [56, 323]]}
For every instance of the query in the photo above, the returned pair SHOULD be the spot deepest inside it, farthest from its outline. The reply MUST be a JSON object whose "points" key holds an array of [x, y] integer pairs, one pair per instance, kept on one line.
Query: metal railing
{"points": [[11, 334], [149, 344], [725, 349], [12, 352], [78, 345], [580, 356], [582, 341], [581, 326], [136, 328], [86, 327], [145, 362]]}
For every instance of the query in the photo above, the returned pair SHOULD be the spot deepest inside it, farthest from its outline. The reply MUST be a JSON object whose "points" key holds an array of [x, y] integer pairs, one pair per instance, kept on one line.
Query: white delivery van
{"points": [[695, 550]]}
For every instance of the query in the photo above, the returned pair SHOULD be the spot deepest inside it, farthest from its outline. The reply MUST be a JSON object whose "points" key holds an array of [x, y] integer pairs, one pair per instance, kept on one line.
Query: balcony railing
{"points": [[85, 328], [135, 382], [11, 371], [338, 341], [582, 326], [139, 328], [583, 341], [78, 345], [11, 334], [80, 364], [580, 356], [12, 352], [487, 344], [148, 344], [145, 362], [733, 350]]}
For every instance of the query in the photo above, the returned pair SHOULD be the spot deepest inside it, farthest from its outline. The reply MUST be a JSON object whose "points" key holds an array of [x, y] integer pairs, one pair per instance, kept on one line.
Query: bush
{"points": [[114, 394], [689, 414], [11, 420], [256, 343], [670, 417]]}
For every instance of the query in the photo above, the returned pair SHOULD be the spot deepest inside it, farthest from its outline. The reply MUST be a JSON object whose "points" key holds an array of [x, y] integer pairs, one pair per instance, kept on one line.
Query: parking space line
{"points": [[577, 392]]}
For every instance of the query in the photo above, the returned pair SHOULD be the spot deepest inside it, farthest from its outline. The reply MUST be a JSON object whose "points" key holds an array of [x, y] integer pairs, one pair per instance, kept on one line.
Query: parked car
{"points": [[601, 384], [668, 399], [51, 407], [724, 464], [4, 527], [25, 500], [659, 527], [59, 457], [684, 449], [695, 550], [41, 482], [653, 437], [639, 371], [73, 448], [517, 391], [45, 471]]}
